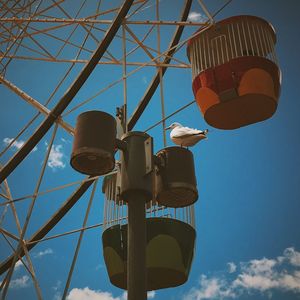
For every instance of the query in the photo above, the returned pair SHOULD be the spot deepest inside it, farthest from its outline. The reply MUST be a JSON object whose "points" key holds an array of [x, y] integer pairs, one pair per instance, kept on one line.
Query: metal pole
{"points": [[136, 261], [136, 190], [124, 63]]}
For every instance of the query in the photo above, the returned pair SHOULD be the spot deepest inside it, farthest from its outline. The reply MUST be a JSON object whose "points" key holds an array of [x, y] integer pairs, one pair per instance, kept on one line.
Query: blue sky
{"points": [[247, 215]]}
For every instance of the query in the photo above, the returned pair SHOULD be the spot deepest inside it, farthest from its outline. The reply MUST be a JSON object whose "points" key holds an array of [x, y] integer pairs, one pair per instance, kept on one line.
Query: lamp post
{"points": [[93, 154], [136, 190], [134, 183]]}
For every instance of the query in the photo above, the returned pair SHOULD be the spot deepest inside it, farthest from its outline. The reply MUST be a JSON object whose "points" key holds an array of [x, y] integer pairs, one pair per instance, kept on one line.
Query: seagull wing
{"points": [[182, 132]]}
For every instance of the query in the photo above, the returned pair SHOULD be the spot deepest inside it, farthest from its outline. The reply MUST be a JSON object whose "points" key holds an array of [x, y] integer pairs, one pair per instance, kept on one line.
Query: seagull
{"points": [[185, 136]]}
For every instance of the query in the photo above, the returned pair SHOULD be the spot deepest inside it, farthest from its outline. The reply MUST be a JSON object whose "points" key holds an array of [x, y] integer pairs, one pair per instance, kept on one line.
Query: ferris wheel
{"points": [[117, 62]]}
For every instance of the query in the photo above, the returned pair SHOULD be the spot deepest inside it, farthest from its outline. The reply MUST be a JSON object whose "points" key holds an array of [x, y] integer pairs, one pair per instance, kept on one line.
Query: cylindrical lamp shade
{"points": [[236, 79], [175, 180], [94, 143]]}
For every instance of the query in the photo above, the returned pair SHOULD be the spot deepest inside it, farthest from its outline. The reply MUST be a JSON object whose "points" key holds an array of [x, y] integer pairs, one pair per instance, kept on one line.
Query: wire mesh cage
{"points": [[236, 79], [170, 239], [234, 37]]}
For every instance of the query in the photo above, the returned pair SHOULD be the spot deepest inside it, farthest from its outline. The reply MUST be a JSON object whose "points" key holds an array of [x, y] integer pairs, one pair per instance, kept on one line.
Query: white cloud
{"points": [[259, 266], [19, 283], [43, 253], [56, 288], [151, 294], [255, 282], [231, 267], [56, 157], [57, 296], [293, 256], [144, 79], [18, 265], [210, 288], [66, 141], [88, 294], [196, 17], [291, 281], [16, 144], [257, 275], [57, 285]]}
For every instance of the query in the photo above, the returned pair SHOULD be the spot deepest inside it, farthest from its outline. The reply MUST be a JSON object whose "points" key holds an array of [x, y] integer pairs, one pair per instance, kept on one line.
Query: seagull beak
{"points": [[167, 128]]}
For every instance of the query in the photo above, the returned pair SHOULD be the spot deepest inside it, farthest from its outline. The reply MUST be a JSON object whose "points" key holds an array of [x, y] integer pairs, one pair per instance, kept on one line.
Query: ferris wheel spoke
{"points": [[26, 8], [21, 44], [69, 22], [40, 46], [29, 269], [68, 42], [19, 134], [22, 232], [68, 96], [8, 32], [15, 41], [4, 282], [89, 33], [24, 30], [9, 234], [38, 13], [35, 103], [74, 29], [20, 244], [41, 108], [155, 81], [56, 188], [166, 63], [4, 196], [6, 3], [138, 9], [98, 225], [50, 224], [79, 242], [37, 31], [131, 41], [140, 44], [32, 273], [140, 66]]}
